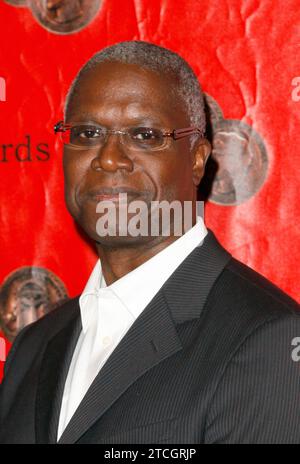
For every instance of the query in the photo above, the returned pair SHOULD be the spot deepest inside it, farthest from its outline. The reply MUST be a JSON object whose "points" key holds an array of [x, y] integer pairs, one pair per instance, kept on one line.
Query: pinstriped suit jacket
{"points": [[210, 360]]}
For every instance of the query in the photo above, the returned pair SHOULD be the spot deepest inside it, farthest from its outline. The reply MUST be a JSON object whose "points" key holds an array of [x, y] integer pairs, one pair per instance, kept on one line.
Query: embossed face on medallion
{"points": [[26, 295], [61, 16]]}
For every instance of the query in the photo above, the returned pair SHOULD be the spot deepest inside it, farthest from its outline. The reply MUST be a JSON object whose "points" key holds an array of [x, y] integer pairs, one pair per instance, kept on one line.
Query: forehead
{"points": [[118, 90]]}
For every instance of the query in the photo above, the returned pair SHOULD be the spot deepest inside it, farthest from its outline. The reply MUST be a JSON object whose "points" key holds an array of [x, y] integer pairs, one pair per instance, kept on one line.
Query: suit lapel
{"points": [[153, 336], [54, 369], [187, 289]]}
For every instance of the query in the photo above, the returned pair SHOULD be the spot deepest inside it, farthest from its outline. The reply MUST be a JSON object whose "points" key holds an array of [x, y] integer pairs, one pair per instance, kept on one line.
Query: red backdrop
{"points": [[245, 53]]}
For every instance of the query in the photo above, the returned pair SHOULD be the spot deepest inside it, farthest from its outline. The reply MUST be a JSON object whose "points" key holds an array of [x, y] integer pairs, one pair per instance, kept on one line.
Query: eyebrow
{"points": [[145, 119]]}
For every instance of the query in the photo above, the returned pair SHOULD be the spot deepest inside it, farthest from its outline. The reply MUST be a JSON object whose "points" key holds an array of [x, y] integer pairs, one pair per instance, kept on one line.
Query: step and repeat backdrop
{"points": [[246, 54]]}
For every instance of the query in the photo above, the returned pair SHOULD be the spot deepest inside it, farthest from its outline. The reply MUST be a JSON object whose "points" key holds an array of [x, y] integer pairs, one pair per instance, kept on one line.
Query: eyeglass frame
{"points": [[176, 134]]}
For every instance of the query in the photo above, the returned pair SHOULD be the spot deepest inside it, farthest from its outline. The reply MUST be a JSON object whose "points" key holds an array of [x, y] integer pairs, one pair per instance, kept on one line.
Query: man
{"points": [[172, 340]]}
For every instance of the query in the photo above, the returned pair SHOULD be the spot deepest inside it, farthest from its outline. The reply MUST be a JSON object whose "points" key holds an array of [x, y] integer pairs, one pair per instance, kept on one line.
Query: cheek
{"points": [[74, 173], [172, 176]]}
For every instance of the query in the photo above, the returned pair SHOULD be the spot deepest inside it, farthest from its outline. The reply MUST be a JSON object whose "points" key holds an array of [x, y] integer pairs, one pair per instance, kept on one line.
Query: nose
{"points": [[112, 156]]}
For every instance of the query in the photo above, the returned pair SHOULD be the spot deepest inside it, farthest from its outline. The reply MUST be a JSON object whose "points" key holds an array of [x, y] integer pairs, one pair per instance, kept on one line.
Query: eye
{"points": [[87, 132], [86, 135], [145, 133], [147, 136]]}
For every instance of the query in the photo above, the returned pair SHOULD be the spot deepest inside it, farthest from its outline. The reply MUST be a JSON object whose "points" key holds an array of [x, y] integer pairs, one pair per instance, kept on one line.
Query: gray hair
{"points": [[157, 59]]}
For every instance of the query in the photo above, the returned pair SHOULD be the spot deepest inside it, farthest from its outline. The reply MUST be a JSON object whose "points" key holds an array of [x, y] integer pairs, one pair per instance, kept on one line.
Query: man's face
{"points": [[120, 96]]}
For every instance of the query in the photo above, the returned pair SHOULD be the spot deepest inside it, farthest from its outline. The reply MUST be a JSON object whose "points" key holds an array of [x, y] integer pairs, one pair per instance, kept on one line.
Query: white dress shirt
{"points": [[107, 313]]}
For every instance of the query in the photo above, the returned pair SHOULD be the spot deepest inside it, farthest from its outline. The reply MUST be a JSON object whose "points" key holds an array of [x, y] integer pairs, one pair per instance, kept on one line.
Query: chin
{"points": [[121, 241]]}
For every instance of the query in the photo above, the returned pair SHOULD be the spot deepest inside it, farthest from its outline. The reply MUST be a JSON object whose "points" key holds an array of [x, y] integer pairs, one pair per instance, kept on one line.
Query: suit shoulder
{"points": [[33, 338], [246, 299], [55, 319], [261, 288], [244, 312]]}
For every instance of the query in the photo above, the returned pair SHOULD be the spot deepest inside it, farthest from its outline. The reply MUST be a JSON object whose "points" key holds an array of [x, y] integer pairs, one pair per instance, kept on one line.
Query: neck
{"points": [[118, 261]]}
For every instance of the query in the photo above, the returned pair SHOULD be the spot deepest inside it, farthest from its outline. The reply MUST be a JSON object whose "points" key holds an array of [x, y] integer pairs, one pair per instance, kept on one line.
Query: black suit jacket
{"points": [[208, 361]]}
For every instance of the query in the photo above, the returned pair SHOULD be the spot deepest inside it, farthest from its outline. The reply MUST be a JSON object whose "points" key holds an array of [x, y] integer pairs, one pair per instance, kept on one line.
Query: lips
{"points": [[113, 194]]}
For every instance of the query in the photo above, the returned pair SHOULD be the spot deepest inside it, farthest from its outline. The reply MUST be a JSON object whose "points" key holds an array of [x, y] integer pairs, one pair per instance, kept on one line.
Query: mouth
{"points": [[114, 194]]}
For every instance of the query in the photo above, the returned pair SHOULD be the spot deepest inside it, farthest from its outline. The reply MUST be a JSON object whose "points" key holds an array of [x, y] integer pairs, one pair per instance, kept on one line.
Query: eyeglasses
{"points": [[87, 136]]}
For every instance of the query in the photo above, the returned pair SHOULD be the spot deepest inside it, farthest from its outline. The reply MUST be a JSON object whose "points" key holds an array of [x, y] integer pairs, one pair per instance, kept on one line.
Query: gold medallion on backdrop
{"points": [[61, 16], [238, 165], [26, 295]]}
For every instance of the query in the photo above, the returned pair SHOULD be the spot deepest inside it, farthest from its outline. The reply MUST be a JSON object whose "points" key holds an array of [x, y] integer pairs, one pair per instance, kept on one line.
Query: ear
{"points": [[200, 157]]}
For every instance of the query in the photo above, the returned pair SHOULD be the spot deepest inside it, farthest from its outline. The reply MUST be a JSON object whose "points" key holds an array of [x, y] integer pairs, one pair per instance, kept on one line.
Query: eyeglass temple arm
{"points": [[180, 133], [61, 127]]}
